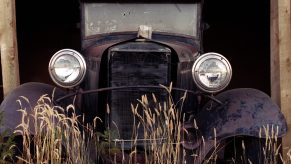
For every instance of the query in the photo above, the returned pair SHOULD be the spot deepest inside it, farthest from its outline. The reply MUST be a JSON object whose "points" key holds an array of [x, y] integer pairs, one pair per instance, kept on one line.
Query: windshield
{"points": [[100, 18]]}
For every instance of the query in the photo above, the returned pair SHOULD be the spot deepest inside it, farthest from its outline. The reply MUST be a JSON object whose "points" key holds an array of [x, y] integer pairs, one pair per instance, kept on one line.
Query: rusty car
{"points": [[130, 49]]}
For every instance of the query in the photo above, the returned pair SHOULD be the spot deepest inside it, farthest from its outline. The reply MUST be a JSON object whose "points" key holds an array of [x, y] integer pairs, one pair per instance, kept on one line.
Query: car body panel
{"points": [[244, 111], [17, 99]]}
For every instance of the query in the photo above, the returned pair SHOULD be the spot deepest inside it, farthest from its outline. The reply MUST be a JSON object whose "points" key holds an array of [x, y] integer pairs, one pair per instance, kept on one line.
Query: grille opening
{"points": [[129, 64]]}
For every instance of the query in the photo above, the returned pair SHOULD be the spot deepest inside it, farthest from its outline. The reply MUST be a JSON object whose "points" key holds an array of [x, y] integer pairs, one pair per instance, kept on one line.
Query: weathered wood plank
{"points": [[284, 50], [8, 46], [274, 61]]}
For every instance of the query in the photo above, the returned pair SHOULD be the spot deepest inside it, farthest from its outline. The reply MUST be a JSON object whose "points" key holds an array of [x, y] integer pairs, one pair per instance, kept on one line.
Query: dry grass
{"points": [[60, 136], [57, 137], [271, 147], [161, 124]]}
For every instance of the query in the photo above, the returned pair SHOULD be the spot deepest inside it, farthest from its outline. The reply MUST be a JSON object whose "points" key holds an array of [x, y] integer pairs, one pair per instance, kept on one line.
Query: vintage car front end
{"points": [[118, 55], [131, 49]]}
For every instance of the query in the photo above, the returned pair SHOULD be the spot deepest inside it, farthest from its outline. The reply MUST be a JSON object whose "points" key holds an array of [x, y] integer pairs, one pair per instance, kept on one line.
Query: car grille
{"points": [[131, 64]]}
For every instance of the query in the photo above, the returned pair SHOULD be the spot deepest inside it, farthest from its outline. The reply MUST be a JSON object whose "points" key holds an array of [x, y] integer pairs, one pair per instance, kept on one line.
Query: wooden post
{"points": [[8, 46], [281, 61], [275, 64]]}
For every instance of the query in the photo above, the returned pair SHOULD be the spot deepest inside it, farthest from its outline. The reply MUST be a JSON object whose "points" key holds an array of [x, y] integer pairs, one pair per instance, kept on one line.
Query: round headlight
{"points": [[211, 72], [67, 68]]}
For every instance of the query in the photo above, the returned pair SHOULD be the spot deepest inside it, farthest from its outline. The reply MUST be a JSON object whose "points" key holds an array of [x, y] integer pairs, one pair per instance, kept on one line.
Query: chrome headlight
{"points": [[67, 68], [211, 72]]}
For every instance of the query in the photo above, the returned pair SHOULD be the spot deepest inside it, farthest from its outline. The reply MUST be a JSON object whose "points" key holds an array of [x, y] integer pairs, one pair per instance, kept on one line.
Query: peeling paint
{"points": [[248, 110]]}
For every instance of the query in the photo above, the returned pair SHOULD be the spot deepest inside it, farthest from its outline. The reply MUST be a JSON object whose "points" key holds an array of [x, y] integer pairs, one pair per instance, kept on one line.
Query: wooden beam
{"points": [[8, 46], [285, 65], [281, 61], [275, 64]]}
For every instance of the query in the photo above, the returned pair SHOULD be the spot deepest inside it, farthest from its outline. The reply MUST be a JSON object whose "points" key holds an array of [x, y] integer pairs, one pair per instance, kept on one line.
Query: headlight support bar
{"points": [[135, 87]]}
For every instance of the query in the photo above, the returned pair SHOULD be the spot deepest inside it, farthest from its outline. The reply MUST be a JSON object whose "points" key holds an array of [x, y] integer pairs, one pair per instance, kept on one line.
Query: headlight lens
{"points": [[211, 72], [67, 68]]}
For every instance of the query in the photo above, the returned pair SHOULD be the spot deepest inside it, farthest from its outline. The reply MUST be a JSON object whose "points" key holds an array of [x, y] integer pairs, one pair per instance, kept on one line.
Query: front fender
{"points": [[245, 111], [32, 91]]}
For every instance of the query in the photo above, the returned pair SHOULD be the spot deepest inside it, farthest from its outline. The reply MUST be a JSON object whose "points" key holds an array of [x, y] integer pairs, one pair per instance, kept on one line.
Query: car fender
{"points": [[31, 91], [244, 111]]}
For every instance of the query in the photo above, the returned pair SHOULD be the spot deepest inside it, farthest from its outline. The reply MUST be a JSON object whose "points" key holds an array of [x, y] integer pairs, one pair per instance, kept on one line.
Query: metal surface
{"points": [[196, 73], [144, 32], [31, 91], [244, 111], [186, 47], [184, 50], [123, 88], [135, 63], [82, 68]]}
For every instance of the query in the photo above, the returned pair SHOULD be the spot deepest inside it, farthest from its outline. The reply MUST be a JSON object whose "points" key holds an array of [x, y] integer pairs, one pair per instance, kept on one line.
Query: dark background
{"points": [[240, 30], [237, 29]]}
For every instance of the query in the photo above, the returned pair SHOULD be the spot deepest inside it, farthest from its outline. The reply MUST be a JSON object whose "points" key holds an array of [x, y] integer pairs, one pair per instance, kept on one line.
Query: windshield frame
{"points": [[198, 24]]}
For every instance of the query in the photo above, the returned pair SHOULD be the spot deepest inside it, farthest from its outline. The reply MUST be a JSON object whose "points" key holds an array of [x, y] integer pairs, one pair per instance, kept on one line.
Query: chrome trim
{"points": [[81, 61], [200, 60]]}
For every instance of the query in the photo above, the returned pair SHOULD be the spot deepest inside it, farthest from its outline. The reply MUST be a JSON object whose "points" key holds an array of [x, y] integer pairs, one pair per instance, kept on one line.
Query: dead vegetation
{"points": [[60, 136]]}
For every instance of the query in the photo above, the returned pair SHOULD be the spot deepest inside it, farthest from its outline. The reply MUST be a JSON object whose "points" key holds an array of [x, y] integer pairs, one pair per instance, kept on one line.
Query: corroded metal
{"points": [[81, 92], [245, 111], [242, 112], [28, 91]]}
